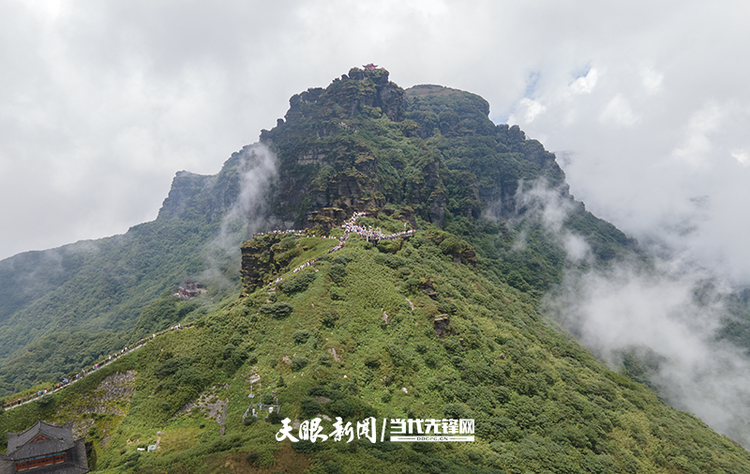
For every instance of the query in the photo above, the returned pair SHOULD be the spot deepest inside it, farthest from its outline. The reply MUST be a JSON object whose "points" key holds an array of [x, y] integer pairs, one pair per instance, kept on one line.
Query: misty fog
{"points": [[669, 310]]}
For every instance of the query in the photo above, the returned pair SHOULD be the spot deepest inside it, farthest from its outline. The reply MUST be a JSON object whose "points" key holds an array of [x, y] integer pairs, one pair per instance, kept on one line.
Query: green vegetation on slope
{"points": [[348, 343]]}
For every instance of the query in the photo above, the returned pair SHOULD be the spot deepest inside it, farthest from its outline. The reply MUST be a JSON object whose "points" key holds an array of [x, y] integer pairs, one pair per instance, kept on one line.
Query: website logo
{"points": [[396, 429]]}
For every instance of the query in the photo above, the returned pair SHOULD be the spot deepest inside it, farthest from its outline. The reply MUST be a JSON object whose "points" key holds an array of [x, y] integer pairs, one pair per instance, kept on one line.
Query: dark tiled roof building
{"points": [[45, 449]]}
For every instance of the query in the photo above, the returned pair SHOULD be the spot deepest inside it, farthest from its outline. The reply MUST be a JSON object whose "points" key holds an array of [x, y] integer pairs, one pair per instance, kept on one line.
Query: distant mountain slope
{"points": [[100, 287]]}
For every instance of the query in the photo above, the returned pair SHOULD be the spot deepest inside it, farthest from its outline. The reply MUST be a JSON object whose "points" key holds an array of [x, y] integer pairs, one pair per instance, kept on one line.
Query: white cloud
{"points": [[531, 109], [652, 80], [585, 84], [628, 308], [698, 144], [618, 111], [742, 157], [552, 207]]}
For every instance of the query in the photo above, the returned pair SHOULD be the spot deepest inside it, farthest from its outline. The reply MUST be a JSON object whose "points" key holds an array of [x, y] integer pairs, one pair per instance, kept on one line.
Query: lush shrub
{"points": [[341, 408], [329, 319], [277, 310], [168, 367], [456, 411], [325, 360], [306, 447], [228, 351], [301, 336], [132, 459], [300, 283], [310, 406], [392, 261], [299, 362], [252, 457], [337, 273], [372, 362], [275, 418], [332, 467]]}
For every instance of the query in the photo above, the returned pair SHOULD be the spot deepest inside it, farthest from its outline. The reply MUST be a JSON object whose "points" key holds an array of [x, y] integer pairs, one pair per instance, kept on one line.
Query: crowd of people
{"points": [[375, 234], [349, 227], [298, 233], [372, 234]]}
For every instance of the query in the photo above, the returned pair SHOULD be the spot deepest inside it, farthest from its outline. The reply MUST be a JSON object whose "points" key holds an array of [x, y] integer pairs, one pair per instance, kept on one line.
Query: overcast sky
{"points": [[647, 104]]}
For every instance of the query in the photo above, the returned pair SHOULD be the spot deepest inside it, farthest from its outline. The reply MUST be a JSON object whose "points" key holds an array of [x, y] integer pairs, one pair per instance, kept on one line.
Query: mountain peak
{"points": [[359, 91], [364, 143]]}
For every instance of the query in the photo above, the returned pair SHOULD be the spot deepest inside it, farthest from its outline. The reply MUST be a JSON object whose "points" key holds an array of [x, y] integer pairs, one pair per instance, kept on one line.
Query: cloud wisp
{"points": [[551, 206], [257, 171]]}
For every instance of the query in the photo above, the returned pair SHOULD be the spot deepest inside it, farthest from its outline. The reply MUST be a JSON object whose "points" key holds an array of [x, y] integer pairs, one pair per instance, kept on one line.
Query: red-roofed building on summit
{"points": [[45, 449]]}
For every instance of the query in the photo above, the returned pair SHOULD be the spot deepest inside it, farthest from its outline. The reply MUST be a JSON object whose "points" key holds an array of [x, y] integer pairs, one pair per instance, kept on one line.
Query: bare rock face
{"points": [[186, 187], [440, 324], [261, 260], [323, 161], [312, 156], [328, 218], [211, 196], [332, 351], [427, 287], [386, 95], [112, 396], [438, 201]]}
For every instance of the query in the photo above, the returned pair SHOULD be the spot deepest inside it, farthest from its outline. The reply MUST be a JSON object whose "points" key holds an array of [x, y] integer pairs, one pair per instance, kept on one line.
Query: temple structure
{"points": [[45, 448], [189, 289]]}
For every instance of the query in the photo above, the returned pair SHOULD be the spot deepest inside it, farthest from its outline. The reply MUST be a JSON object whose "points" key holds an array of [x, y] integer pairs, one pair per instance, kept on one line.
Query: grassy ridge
{"points": [[545, 405]]}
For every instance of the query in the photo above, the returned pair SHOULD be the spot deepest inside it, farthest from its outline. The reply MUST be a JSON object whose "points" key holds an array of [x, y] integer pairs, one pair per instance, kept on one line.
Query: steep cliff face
{"points": [[324, 160], [352, 94], [183, 194], [364, 143], [204, 196], [261, 259]]}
